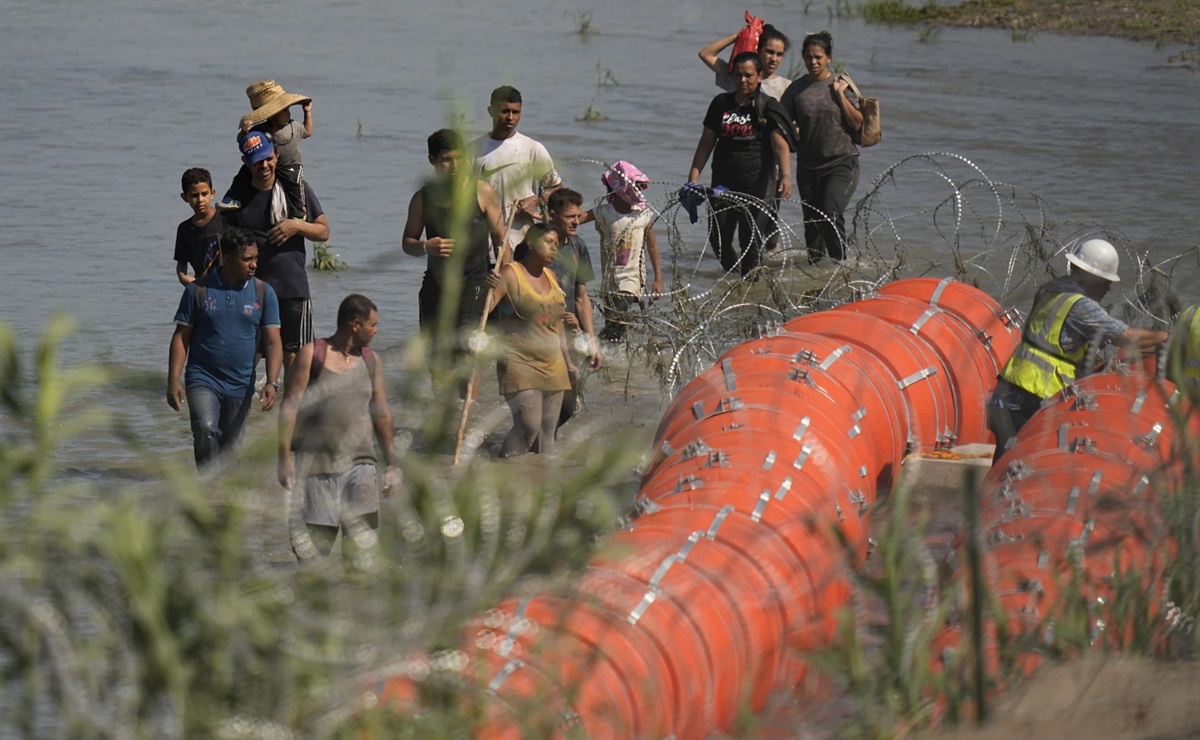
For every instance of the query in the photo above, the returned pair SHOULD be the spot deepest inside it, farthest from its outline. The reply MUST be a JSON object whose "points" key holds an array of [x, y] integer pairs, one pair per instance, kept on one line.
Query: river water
{"points": [[106, 103]]}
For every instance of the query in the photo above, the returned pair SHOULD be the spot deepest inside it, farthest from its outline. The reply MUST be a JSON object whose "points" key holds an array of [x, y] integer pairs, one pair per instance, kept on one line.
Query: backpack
{"points": [[321, 348], [260, 291]]}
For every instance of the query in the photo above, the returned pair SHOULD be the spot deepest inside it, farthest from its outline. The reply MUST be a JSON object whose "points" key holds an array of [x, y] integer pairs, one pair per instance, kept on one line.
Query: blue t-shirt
{"points": [[221, 353]]}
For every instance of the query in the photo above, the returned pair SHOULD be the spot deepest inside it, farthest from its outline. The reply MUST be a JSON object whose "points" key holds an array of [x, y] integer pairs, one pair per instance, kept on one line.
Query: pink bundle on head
{"points": [[626, 182]]}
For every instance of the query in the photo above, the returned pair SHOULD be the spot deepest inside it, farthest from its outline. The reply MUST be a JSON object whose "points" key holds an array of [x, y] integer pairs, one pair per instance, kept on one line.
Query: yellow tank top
{"points": [[530, 323]]}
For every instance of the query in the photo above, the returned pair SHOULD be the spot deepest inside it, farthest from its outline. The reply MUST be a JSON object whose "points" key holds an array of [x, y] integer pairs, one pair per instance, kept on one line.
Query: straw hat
{"points": [[267, 98]]}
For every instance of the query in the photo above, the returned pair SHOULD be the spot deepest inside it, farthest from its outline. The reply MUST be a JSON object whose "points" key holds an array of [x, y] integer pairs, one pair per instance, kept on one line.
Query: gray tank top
{"points": [[334, 429]]}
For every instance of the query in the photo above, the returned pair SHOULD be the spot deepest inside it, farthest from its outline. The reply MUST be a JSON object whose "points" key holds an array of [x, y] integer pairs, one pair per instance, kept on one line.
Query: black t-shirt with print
{"points": [[742, 159], [199, 245]]}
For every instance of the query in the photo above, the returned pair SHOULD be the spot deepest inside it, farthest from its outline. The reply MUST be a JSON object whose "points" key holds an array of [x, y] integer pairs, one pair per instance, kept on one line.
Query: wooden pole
{"points": [[487, 309]]}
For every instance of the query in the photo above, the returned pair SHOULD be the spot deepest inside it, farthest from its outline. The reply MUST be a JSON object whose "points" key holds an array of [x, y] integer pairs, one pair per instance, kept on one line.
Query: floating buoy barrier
{"points": [[763, 470], [1073, 507]]}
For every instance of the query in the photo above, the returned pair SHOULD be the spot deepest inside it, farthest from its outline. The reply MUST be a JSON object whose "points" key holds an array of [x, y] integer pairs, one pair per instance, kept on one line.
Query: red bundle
{"points": [[747, 38]]}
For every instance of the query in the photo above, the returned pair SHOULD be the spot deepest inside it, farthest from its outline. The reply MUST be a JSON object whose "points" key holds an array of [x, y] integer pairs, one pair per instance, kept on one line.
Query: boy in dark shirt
{"points": [[198, 239]]}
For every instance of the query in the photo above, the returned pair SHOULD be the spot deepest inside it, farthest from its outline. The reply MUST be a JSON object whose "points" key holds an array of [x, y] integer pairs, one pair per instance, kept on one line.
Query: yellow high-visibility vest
{"points": [[1183, 357], [1039, 364]]}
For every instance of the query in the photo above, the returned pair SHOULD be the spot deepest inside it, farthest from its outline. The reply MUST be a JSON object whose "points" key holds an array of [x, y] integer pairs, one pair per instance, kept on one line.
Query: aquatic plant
{"points": [[325, 259]]}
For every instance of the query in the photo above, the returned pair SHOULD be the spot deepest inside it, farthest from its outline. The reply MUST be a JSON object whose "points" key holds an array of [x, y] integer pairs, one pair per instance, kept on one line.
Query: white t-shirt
{"points": [[622, 248], [517, 167]]}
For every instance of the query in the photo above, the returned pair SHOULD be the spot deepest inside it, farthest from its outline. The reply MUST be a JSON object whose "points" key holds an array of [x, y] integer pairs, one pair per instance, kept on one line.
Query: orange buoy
{"points": [[966, 358], [920, 373], [997, 329]]}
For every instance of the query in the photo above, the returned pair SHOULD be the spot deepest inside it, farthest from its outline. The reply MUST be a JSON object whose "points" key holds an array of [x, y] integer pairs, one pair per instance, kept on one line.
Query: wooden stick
{"points": [[473, 385]]}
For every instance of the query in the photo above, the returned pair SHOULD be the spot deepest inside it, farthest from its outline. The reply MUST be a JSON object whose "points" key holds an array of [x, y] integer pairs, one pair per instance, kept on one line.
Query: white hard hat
{"points": [[1097, 257]]}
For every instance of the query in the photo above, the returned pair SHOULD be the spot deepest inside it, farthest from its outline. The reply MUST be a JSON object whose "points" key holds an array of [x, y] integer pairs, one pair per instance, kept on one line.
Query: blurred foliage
{"points": [[149, 611]]}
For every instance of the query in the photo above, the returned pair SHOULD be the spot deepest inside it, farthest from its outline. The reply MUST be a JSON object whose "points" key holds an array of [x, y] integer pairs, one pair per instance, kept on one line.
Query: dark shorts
{"points": [[429, 303], [295, 323]]}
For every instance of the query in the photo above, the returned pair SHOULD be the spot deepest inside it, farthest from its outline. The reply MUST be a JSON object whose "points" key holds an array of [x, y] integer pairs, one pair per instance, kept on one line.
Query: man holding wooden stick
{"points": [[456, 213]]}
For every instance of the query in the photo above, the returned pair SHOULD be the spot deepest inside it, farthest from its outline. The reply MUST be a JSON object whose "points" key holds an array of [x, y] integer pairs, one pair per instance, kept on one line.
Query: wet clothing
{"points": [[743, 161], [283, 267], [822, 139], [572, 266], [531, 322], [291, 178], [224, 328], [826, 163], [824, 197], [217, 422], [334, 430], [474, 237], [200, 246]]}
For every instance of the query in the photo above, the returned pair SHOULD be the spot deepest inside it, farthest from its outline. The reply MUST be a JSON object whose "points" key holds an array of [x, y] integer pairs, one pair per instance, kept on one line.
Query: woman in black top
{"points": [[747, 133]]}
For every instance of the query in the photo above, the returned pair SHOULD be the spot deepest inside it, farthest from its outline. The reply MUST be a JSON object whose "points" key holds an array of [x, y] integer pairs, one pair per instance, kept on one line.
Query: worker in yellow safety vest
{"points": [[1183, 355], [1066, 317]]}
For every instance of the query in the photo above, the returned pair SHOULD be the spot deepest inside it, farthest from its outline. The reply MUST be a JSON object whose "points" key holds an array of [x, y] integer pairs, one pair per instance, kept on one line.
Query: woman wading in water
{"points": [[747, 134], [824, 111], [535, 367]]}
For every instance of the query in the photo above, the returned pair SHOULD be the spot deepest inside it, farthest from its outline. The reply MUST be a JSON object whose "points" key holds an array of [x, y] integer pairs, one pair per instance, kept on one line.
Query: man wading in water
{"points": [[333, 414]]}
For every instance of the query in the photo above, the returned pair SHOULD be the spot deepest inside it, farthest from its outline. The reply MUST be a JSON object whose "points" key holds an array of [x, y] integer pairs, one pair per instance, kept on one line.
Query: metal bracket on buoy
{"points": [[730, 377], [1150, 438], [1141, 486], [802, 429], [717, 521], [930, 312], [1083, 444], [502, 675], [834, 356], [805, 356], [798, 375], [805, 451], [917, 377], [1016, 470], [769, 460], [694, 449], [1006, 492], [783, 489], [941, 288], [684, 551], [717, 459], [1073, 499], [1138, 400], [859, 499], [984, 338], [945, 440], [688, 483], [764, 498]]}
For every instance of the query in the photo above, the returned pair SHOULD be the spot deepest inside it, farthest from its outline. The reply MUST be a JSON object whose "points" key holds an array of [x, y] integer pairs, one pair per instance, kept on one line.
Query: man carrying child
{"points": [[282, 260]]}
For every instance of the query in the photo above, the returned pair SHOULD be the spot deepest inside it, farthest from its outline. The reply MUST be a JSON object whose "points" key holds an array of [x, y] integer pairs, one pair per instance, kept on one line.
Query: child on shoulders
{"points": [[271, 114], [625, 224]]}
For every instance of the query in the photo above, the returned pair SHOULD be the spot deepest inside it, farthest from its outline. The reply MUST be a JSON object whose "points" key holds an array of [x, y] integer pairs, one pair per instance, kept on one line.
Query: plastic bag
{"points": [[747, 38]]}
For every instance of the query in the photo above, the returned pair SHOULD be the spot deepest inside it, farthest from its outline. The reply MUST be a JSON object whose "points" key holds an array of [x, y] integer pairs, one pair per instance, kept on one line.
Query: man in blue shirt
{"points": [[216, 326]]}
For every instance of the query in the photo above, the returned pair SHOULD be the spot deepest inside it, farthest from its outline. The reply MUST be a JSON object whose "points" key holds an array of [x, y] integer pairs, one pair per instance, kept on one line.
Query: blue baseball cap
{"points": [[256, 146]]}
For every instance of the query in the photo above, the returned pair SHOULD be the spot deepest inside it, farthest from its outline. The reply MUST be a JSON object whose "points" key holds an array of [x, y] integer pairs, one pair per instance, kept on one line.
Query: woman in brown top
{"points": [[535, 367]]}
